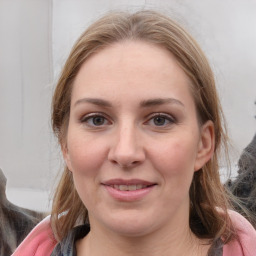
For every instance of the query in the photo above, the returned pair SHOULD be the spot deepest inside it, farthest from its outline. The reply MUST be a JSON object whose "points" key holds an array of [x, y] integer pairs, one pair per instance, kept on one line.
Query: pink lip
{"points": [[128, 196], [126, 182]]}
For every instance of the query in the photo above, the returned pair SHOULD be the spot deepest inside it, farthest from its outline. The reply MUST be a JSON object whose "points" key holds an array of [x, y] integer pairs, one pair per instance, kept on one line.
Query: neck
{"points": [[178, 241]]}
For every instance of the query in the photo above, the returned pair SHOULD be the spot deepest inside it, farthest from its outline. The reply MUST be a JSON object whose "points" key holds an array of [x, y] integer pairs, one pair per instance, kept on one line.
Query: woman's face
{"points": [[133, 140]]}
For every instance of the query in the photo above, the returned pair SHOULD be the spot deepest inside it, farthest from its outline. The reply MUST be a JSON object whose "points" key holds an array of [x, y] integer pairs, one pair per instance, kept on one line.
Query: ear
{"points": [[65, 153], [206, 145]]}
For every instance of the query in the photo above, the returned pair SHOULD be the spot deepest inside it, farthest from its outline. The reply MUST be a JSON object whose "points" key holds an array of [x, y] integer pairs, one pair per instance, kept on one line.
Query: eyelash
{"points": [[91, 117], [170, 119]]}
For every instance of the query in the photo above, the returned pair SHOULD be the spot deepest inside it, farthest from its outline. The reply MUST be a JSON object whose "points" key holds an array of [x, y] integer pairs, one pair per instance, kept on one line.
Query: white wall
{"points": [[25, 91], [35, 38]]}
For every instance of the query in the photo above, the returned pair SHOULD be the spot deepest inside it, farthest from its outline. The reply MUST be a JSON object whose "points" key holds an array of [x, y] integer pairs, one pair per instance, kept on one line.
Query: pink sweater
{"points": [[41, 242]]}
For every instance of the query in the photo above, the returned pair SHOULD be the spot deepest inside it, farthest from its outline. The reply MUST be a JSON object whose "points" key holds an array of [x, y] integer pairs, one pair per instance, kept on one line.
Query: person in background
{"points": [[15, 222], [140, 126], [244, 186]]}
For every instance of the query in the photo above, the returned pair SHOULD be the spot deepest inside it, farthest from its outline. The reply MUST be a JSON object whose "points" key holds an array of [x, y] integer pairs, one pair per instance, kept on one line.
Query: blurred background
{"points": [[35, 39]]}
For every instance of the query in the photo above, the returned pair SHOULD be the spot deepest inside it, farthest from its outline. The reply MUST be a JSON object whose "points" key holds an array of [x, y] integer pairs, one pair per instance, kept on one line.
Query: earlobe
{"points": [[206, 145], [65, 154]]}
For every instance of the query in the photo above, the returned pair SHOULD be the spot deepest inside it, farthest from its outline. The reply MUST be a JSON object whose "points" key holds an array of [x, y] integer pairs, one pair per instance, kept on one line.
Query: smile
{"points": [[128, 187], [128, 190]]}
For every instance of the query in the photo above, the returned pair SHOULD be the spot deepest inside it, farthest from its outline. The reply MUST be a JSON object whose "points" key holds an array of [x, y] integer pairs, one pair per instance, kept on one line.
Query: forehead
{"points": [[131, 67], [131, 55]]}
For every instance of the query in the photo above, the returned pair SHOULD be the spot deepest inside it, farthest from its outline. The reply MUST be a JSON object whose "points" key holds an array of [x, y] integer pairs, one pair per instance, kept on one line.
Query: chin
{"points": [[130, 225]]}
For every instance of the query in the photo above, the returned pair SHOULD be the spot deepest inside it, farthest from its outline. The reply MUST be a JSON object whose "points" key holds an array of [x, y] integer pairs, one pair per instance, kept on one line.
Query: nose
{"points": [[127, 148]]}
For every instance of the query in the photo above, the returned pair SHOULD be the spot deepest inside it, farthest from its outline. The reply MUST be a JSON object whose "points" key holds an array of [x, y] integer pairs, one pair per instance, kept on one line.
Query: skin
{"points": [[133, 117]]}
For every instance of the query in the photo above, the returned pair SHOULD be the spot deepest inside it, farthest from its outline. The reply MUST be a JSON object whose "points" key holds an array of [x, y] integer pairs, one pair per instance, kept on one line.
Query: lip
{"points": [[127, 182], [128, 195]]}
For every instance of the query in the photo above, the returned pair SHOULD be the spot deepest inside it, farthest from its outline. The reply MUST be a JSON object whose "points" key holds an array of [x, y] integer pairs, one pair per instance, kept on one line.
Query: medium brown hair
{"points": [[207, 195]]}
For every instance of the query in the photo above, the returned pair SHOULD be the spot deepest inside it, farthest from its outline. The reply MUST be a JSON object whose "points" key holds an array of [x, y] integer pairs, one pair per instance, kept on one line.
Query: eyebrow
{"points": [[160, 101], [144, 103], [95, 101]]}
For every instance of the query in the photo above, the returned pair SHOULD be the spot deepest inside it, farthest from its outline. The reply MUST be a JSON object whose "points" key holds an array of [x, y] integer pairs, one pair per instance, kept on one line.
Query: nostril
{"points": [[126, 157], [129, 165]]}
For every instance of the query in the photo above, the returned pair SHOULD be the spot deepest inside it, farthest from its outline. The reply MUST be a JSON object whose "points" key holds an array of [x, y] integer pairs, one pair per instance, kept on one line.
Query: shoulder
{"points": [[246, 244], [39, 242]]}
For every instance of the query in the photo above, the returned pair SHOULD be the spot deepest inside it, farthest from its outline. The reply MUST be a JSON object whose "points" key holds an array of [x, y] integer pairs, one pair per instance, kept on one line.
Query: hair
{"points": [[208, 199]]}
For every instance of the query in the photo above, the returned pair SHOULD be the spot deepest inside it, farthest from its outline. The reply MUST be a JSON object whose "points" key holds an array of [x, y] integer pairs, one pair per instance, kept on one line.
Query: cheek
{"points": [[175, 160], [85, 155], [177, 155], [86, 158]]}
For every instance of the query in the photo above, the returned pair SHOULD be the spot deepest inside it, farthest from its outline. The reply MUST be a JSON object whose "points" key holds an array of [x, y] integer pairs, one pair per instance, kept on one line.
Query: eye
{"points": [[95, 120], [161, 120]]}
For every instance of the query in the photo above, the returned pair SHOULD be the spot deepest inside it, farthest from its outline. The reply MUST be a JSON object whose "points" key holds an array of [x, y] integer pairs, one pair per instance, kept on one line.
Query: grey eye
{"points": [[159, 120], [95, 120]]}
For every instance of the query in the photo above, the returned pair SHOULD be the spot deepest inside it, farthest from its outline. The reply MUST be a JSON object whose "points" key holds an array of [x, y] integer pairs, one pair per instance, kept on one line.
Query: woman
{"points": [[139, 123]]}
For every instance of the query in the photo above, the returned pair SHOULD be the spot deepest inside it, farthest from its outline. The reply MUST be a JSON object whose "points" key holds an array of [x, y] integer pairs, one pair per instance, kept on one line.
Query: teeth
{"points": [[139, 186], [123, 187], [129, 187]]}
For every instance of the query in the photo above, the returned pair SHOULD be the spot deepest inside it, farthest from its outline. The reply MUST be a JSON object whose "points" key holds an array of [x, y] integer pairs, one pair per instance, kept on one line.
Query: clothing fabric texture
{"points": [[41, 242], [67, 246]]}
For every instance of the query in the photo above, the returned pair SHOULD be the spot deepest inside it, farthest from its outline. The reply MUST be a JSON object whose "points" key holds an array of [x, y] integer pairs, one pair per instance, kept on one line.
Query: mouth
{"points": [[128, 190], [130, 187]]}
